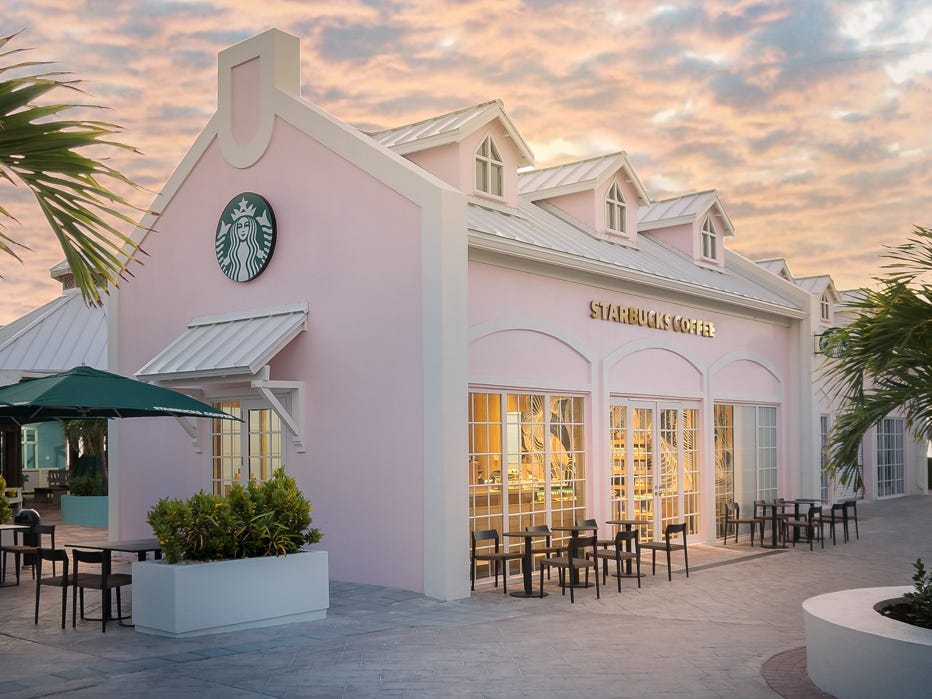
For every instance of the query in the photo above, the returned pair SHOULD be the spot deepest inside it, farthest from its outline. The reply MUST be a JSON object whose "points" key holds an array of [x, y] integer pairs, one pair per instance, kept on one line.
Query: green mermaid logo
{"points": [[245, 237]]}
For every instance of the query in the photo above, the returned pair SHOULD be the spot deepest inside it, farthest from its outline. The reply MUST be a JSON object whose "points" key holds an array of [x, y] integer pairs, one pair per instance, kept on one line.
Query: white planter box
{"points": [[853, 651], [203, 598]]}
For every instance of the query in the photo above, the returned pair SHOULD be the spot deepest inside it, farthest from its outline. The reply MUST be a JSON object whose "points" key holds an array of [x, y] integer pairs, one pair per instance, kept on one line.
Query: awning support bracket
{"points": [[294, 418]]}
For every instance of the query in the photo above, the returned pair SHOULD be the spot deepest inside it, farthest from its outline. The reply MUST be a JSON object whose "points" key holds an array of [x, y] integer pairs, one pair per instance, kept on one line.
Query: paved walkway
{"points": [[732, 629]]}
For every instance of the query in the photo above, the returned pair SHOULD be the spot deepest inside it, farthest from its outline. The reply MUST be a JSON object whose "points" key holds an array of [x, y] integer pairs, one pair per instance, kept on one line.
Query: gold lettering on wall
{"points": [[632, 315]]}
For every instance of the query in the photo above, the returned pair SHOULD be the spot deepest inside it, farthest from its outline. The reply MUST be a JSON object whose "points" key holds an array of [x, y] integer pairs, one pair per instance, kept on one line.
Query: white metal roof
{"points": [[540, 226], [232, 344], [684, 209], [577, 176], [451, 128], [777, 266], [57, 336]]}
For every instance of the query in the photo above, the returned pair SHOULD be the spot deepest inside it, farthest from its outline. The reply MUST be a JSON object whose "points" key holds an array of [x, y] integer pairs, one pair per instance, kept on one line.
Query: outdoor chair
{"points": [[548, 548], [812, 521], [24, 554], [838, 514], [493, 557], [604, 543], [95, 581], [62, 581], [853, 514], [577, 558], [668, 546], [733, 516], [619, 552]]}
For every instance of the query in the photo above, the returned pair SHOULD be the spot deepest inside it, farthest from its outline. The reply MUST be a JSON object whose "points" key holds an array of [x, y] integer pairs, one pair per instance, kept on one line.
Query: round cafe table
{"points": [[629, 524], [527, 563]]}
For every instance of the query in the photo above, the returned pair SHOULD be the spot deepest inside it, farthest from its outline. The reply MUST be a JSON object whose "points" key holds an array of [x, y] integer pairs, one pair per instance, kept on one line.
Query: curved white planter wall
{"points": [[853, 651]]}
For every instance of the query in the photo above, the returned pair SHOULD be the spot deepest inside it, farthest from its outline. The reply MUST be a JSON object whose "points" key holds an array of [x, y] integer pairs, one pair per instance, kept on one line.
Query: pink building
{"points": [[431, 342]]}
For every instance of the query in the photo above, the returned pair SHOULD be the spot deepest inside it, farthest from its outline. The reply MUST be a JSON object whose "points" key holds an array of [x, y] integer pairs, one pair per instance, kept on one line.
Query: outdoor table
{"points": [[574, 532], [796, 503], [773, 507], [10, 528], [628, 524], [527, 562], [140, 547]]}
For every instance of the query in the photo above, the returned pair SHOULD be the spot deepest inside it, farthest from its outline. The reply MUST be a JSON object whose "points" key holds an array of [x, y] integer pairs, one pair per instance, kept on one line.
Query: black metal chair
{"points": [[853, 514], [604, 543], [838, 514], [548, 548], [812, 521], [668, 546], [62, 581], [733, 516], [625, 547], [577, 558], [495, 557], [25, 553], [95, 581]]}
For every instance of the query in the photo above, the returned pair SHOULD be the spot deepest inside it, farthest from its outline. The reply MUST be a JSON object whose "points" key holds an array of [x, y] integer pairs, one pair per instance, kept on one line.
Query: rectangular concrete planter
{"points": [[86, 510], [194, 599]]}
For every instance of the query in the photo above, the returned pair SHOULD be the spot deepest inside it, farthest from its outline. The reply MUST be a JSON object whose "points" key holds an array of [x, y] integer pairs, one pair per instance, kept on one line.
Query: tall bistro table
{"points": [[141, 547], [527, 563], [574, 532], [629, 524], [10, 528]]}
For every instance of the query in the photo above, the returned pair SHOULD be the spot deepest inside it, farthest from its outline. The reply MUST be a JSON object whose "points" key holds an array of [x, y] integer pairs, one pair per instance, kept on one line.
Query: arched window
{"points": [[615, 209], [826, 307], [709, 240], [489, 168]]}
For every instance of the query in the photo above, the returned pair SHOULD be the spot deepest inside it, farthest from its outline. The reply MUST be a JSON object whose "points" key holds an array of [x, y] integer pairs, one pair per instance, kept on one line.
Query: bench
{"points": [[57, 485], [15, 497]]}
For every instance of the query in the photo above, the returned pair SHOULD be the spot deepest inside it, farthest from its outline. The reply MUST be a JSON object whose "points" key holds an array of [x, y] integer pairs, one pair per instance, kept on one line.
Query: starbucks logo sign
{"points": [[245, 237]]}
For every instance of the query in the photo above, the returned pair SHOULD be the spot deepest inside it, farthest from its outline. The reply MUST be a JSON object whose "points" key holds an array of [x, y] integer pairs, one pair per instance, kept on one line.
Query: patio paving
{"points": [[734, 628]]}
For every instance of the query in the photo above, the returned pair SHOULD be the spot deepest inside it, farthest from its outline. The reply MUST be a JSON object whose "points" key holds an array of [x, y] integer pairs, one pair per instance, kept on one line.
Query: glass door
{"points": [[654, 449]]}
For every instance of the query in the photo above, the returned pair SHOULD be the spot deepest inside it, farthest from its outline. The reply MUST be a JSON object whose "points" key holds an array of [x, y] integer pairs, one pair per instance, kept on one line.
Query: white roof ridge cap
{"points": [[246, 314]]}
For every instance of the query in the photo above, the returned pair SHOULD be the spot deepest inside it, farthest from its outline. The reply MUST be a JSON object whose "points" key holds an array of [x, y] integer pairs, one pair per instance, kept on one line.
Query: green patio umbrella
{"points": [[84, 392]]}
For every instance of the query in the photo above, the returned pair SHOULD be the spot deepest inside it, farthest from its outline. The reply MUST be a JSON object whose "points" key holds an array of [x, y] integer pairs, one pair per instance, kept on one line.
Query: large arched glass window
{"points": [[615, 209], [489, 168], [709, 242]]}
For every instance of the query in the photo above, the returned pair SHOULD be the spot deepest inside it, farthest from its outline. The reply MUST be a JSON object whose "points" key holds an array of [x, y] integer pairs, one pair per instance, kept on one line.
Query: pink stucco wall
{"points": [[350, 247]]}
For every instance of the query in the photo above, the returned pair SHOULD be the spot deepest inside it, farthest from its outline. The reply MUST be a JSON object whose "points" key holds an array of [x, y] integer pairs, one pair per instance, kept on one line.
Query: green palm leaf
{"points": [[42, 151], [886, 356]]}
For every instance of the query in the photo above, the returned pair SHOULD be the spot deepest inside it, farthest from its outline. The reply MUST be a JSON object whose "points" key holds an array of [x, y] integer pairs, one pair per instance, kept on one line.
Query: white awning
{"points": [[233, 345]]}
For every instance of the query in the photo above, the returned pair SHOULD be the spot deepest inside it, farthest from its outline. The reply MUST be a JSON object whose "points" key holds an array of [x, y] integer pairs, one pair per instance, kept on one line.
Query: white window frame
{"points": [[709, 240], [825, 307], [241, 437], [615, 210], [490, 169], [891, 458]]}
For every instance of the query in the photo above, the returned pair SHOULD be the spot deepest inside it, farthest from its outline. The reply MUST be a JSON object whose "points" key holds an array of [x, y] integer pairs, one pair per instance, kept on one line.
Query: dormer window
{"points": [[615, 209], [826, 307], [709, 240], [489, 169]]}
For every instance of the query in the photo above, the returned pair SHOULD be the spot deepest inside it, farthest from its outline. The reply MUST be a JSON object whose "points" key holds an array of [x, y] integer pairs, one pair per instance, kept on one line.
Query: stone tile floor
{"points": [[732, 629]]}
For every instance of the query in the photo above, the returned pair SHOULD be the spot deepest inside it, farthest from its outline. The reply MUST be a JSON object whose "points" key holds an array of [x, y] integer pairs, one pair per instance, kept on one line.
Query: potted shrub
{"points": [[5, 510], [232, 561]]}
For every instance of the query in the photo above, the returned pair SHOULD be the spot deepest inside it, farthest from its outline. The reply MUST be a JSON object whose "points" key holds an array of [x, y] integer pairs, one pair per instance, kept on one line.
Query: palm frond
{"points": [[43, 151]]}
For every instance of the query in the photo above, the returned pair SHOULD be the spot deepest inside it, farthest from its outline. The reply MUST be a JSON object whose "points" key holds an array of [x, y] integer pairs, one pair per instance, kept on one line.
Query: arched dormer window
{"points": [[615, 209], [489, 169], [709, 240], [826, 307]]}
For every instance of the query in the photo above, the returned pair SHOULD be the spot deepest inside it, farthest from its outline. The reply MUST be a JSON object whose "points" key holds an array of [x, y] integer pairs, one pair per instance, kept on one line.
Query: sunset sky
{"points": [[812, 120]]}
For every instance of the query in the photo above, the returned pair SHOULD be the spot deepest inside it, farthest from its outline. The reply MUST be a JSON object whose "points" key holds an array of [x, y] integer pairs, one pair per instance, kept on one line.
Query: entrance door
{"points": [[655, 465], [245, 451]]}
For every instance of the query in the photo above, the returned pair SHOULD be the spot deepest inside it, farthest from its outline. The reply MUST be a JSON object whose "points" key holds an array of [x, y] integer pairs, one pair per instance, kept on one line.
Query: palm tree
{"points": [[885, 356], [41, 151]]}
